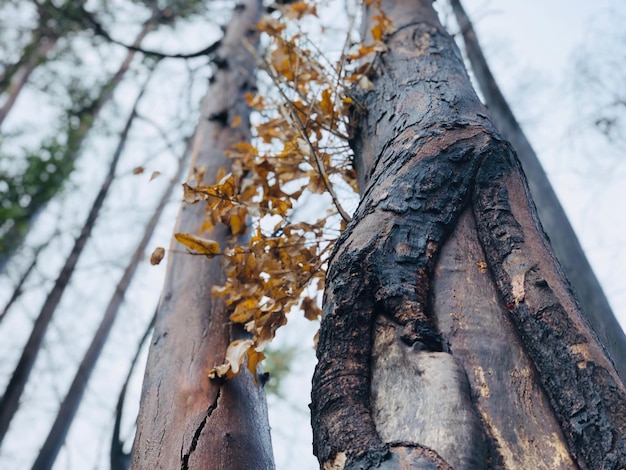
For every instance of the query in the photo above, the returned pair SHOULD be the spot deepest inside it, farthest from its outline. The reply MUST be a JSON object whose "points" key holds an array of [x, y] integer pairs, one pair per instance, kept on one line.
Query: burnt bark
{"points": [[562, 237], [186, 420], [395, 375]]}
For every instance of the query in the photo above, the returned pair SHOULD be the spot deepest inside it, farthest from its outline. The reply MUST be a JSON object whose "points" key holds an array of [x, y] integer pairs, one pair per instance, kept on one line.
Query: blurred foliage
{"points": [[278, 364], [31, 175]]}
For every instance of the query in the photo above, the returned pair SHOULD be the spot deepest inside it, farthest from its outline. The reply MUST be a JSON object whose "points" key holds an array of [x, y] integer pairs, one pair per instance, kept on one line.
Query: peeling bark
{"points": [[388, 373], [186, 420]]}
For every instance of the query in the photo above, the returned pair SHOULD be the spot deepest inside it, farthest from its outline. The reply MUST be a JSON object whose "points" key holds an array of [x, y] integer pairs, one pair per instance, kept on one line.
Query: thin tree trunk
{"points": [[450, 338], [10, 400], [186, 420], [87, 116], [69, 406], [18, 78], [19, 287], [553, 219], [119, 459]]}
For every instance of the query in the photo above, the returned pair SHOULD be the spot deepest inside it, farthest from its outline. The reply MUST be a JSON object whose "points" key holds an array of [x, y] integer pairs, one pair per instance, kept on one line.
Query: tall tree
{"points": [[450, 337], [69, 405], [9, 404], [187, 420], [562, 237], [56, 158]]}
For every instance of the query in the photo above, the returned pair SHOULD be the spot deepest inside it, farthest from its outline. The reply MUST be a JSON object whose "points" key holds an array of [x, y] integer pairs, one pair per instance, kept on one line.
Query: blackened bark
{"points": [[425, 151], [186, 420], [551, 214]]}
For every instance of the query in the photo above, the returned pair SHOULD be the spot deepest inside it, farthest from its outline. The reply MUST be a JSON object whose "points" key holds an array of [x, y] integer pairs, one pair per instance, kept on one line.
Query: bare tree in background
{"points": [[186, 420]]}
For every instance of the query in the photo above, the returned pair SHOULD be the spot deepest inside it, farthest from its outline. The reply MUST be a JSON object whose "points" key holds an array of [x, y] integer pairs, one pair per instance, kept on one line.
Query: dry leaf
{"points": [[157, 255], [155, 174], [199, 244], [310, 308], [138, 170]]}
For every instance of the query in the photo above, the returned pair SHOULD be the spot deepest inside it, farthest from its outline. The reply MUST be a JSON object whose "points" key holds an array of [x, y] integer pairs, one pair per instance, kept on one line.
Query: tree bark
{"points": [[9, 403], [562, 237], [186, 420], [450, 338]]}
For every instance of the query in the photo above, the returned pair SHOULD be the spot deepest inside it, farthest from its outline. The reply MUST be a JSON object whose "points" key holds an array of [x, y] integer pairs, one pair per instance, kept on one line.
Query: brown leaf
{"points": [[310, 308], [155, 174], [138, 170], [157, 255], [198, 244]]}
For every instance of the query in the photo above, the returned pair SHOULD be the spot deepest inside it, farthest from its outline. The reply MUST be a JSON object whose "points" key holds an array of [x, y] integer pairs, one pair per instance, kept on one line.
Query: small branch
{"points": [[318, 162], [100, 31]]}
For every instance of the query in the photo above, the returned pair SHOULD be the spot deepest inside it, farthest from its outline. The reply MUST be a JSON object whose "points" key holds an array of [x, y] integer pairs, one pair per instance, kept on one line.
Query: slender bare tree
{"points": [[186, 420]]}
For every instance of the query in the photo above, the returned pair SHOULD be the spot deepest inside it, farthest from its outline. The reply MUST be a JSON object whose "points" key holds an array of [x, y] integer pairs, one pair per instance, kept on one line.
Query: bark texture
{"points": [[187, 421], [444, 250], [563, 239]]}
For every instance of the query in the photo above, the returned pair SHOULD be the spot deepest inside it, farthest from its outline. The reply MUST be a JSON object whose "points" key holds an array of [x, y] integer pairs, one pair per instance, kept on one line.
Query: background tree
{"points": [[562, 237]]}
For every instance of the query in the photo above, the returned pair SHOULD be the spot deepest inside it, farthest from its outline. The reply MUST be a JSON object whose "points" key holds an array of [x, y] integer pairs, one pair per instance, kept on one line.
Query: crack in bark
{"points": [[196, 436]]}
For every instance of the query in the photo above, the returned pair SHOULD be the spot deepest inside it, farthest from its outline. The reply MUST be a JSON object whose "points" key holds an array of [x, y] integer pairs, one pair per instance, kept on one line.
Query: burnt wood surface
{"points": [[406, 366]]}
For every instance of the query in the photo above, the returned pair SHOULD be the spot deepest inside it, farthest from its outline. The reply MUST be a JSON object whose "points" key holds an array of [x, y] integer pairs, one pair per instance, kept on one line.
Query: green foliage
{"points": [[278, 364], [25, 192]]}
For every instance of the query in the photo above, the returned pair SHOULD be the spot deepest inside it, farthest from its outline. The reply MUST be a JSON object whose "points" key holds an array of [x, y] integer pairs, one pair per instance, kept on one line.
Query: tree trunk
{"points": [[69, 406], [551, 214], [9, 403], [14, 236], [450, 338], [186, 420], [38, 51], [119, 459]]}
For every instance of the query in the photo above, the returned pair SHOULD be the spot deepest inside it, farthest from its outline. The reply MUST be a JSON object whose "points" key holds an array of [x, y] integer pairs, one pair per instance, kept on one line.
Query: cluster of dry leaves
{"points": [[300, 147]]}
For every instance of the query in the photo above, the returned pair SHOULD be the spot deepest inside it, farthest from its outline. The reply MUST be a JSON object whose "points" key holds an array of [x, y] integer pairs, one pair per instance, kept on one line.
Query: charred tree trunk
{"points": [[450, 338], [9, 403], [186, 420], [551, 214]]}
